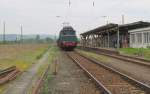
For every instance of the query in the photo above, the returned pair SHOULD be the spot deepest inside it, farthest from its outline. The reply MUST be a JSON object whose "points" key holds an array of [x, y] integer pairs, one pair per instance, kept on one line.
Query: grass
{"points": [[2, 88], [140, 52], [52, 57], [53, 52], [22, 56], [93, 55]]}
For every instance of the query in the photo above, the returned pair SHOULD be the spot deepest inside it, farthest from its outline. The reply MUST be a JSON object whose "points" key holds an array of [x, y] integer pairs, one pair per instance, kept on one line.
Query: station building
{"points": [[140, 38], [111, 35]]}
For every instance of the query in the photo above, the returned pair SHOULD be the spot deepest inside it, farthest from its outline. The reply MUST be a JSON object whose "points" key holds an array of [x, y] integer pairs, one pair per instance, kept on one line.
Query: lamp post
{"points": [[108, 38]]}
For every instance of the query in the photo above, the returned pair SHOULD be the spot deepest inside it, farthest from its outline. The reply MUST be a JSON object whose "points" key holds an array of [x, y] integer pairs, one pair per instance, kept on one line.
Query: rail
{"points": [[140, 87], [130, 59], [8, 74]]}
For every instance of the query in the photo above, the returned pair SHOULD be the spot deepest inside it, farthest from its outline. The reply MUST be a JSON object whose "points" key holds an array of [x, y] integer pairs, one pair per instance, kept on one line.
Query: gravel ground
{"points": [[137, 71], [70, 79]]}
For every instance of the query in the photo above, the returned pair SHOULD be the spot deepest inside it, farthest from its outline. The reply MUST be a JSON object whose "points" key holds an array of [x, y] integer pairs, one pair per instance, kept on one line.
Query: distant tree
{"points": [[48, 39], [37, 37]]}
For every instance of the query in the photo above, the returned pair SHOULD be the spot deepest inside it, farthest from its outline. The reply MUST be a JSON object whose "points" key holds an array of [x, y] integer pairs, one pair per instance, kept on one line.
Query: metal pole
{"points": [[122, 19], [118, 37], [93, 3], [4, 31], [21, 36], [69, 3], [108, 39]]}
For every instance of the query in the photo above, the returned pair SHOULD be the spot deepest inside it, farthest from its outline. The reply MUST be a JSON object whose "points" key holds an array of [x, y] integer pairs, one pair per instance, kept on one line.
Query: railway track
{"points": [[112, 54], [8, 74], [36, 89], [109, 80]]}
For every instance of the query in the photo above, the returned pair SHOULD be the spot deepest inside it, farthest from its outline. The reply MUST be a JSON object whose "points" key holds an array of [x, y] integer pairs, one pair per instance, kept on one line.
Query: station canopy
{"points": [[114, 27]]}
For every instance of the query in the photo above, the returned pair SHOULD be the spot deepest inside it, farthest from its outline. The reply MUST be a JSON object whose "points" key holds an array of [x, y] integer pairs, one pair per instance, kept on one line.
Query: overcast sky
{"points": [[39, 16]]}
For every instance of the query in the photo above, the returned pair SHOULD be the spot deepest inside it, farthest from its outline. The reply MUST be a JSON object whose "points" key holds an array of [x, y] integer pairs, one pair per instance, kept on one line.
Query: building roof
{"points": [[135, 25], [112, 27], [101, 28], [141, 29]]}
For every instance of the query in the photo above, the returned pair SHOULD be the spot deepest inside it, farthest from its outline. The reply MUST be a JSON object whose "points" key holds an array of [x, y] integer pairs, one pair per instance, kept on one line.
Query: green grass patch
{"points": [[23, 58], [93, 55], [53, 53], [140, 52], [2, 88], [45, 88]]}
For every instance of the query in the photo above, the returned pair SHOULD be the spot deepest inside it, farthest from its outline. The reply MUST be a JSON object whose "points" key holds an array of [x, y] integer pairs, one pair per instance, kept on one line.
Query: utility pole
{"points": [[108, 38], [4, 31], [93, 3], [55, 37], [105, 18], [21, 34], [69, 3]]}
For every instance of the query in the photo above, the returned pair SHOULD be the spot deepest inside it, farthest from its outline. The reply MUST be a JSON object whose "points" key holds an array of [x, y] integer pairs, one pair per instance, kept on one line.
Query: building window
{"points": [[146, 37], [132, 38], [139, 37]]}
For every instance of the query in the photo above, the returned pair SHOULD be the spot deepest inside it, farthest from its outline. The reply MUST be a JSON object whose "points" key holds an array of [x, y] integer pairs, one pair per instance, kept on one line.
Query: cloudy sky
{"points": [[41, 16]]}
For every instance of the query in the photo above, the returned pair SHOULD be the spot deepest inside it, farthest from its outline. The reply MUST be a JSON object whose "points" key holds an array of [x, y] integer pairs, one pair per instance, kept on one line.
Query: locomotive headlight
{"points": [[63, 42]]}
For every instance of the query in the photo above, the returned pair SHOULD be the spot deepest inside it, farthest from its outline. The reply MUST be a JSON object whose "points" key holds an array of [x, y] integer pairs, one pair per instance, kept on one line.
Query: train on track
{"points": [[67, 38]]}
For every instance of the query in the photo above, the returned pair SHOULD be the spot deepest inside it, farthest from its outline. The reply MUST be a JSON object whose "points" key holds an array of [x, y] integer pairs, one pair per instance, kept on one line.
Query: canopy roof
{"points": [[113, 27]]}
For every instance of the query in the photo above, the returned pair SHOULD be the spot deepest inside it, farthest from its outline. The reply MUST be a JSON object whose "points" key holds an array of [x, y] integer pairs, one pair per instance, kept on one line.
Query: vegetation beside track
{"points": [[53, 52], [139, 52], [93, 55], [22, 56]]}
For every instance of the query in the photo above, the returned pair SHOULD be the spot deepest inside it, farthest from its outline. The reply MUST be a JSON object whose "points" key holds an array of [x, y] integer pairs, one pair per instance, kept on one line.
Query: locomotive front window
{"points": [[64, 33], [69, 33], [69, 38]]}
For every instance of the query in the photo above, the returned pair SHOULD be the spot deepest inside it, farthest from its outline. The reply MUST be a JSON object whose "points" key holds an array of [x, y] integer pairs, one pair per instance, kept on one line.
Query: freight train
{"points": [[67, 38]]}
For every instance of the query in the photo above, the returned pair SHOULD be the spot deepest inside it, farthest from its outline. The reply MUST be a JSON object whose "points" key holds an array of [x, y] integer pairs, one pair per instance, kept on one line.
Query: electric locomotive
{"points": [[67, 38]]}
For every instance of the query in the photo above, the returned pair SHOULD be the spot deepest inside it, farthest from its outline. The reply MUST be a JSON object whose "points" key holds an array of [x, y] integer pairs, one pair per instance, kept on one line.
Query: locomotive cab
{"points": [[67, 38]]}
